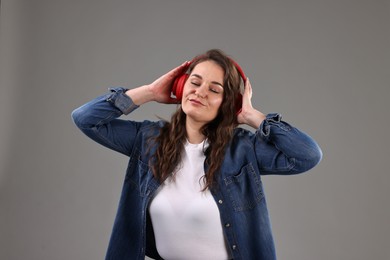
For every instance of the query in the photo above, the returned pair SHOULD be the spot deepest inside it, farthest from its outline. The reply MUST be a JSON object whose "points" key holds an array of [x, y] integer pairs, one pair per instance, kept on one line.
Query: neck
{"points": [[194, 135]]}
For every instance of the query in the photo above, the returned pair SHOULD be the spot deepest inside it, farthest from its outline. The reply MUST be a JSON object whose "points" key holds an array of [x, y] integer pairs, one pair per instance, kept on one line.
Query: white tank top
{"points": [[185, 219]]}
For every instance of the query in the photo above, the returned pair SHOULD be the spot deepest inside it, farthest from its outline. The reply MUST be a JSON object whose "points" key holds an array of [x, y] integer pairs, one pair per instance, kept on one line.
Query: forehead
{"points": [[209, 70]]}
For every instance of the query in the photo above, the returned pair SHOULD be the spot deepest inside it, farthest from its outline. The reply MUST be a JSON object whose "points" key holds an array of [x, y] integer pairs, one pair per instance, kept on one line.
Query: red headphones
{"points": [[180, 80]]}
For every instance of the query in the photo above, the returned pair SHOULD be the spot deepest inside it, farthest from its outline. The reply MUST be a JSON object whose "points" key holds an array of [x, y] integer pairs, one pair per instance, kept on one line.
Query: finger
{"points": [[246, 99], [171, 75], [248, 88], [184, 66], [179, 69]]}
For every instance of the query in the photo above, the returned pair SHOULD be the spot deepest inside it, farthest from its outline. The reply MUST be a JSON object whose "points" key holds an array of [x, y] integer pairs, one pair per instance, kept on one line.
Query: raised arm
{"points": [[280, 147], [284, 149], [98, 119]]}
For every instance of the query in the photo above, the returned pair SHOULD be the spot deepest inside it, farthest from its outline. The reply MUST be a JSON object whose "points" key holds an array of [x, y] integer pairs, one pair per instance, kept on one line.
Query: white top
{"points": [[185, 219]]}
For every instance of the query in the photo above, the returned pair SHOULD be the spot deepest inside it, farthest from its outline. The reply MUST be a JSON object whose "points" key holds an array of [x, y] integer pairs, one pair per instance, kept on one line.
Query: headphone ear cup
{"points": [[178, 86]]}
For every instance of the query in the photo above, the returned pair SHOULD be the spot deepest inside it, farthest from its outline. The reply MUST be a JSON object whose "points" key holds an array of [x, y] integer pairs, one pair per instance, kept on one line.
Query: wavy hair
{"points": [[218, 132]]}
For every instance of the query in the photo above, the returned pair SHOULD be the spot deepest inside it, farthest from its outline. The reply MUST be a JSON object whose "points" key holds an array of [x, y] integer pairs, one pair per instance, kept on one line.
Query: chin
{"points": [[197, 114]]}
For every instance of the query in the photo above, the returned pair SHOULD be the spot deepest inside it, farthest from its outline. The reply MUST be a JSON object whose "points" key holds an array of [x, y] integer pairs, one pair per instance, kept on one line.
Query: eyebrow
{"points": [[200, 77]]}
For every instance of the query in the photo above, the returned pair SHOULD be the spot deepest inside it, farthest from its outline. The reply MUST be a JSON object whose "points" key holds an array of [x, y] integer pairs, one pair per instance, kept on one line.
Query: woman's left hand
{"points": [[249, 115]]}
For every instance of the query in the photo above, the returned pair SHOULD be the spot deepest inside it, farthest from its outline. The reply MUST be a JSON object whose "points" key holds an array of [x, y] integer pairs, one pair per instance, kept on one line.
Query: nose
{"points": [[201, 91]]}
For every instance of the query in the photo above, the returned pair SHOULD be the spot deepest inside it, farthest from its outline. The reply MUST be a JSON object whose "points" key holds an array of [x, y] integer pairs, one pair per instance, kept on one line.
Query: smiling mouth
{"points": [[196, 101]]}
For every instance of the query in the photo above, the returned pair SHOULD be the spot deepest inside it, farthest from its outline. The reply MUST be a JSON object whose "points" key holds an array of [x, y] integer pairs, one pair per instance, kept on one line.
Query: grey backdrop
{"points": [[323, 64]]}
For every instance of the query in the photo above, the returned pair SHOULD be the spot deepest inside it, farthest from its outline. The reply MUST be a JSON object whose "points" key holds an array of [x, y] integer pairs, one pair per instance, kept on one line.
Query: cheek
{"points": [[217, 102], [186, 88]]}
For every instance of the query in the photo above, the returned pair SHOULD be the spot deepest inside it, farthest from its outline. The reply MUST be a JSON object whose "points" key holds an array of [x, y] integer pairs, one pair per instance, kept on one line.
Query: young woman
{"points": [[193, 186]]}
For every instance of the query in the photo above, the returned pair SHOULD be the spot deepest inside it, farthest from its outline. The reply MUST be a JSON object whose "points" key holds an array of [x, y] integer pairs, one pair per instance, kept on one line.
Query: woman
{"points": [[193, 188]]}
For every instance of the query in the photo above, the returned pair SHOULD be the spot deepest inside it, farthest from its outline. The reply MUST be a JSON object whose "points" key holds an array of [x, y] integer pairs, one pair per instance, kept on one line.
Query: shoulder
{"points": [[150, 127], [241, 134], [242, 140]]}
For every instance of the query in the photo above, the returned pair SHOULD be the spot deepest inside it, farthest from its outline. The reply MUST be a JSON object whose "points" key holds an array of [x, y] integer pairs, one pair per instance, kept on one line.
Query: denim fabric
{"points": [[275, 148]]}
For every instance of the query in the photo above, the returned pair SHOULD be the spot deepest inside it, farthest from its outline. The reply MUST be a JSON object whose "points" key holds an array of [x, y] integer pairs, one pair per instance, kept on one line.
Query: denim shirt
{"points": [[275, 148]]}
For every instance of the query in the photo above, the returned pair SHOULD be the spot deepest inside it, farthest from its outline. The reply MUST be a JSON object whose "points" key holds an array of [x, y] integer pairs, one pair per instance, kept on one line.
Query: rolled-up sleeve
{"points": [[121, 101]]}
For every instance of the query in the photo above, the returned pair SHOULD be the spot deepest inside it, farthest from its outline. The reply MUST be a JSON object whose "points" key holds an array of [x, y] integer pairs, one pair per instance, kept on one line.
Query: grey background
{"points": [[323, 64]]}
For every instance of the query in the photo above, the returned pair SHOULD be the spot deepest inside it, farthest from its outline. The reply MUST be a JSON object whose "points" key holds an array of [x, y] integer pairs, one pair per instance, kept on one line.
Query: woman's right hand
{"points": [[161, 87], [159, 90]]}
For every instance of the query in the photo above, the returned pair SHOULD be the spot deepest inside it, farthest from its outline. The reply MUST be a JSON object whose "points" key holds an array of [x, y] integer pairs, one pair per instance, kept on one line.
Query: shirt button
{"points": [[234, 247], [227, 225], [220, 201]]}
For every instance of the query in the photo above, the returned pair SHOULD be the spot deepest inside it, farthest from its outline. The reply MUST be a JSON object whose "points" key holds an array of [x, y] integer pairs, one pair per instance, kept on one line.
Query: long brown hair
{"points": [[218, 132]]}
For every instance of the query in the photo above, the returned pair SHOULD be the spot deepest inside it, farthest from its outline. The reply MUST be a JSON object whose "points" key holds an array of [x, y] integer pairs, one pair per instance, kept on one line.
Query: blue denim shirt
{"points": [[275, 148]]}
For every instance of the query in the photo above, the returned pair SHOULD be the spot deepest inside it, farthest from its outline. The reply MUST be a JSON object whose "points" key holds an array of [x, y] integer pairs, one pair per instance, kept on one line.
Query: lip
{"points": [[195, 101]]}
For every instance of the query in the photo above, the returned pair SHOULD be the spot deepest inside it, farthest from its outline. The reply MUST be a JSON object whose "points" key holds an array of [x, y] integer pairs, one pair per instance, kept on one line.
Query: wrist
{"points": [[254, 118], [141, 95]]}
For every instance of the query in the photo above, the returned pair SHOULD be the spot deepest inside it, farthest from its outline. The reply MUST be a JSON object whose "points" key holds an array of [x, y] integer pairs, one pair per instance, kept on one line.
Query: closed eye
{"points": [[195, 84], [214, 90]]}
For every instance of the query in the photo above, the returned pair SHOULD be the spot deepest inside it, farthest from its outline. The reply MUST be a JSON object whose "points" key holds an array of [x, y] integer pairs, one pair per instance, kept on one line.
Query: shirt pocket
{"points": [[245, 188], [139, 173]]}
